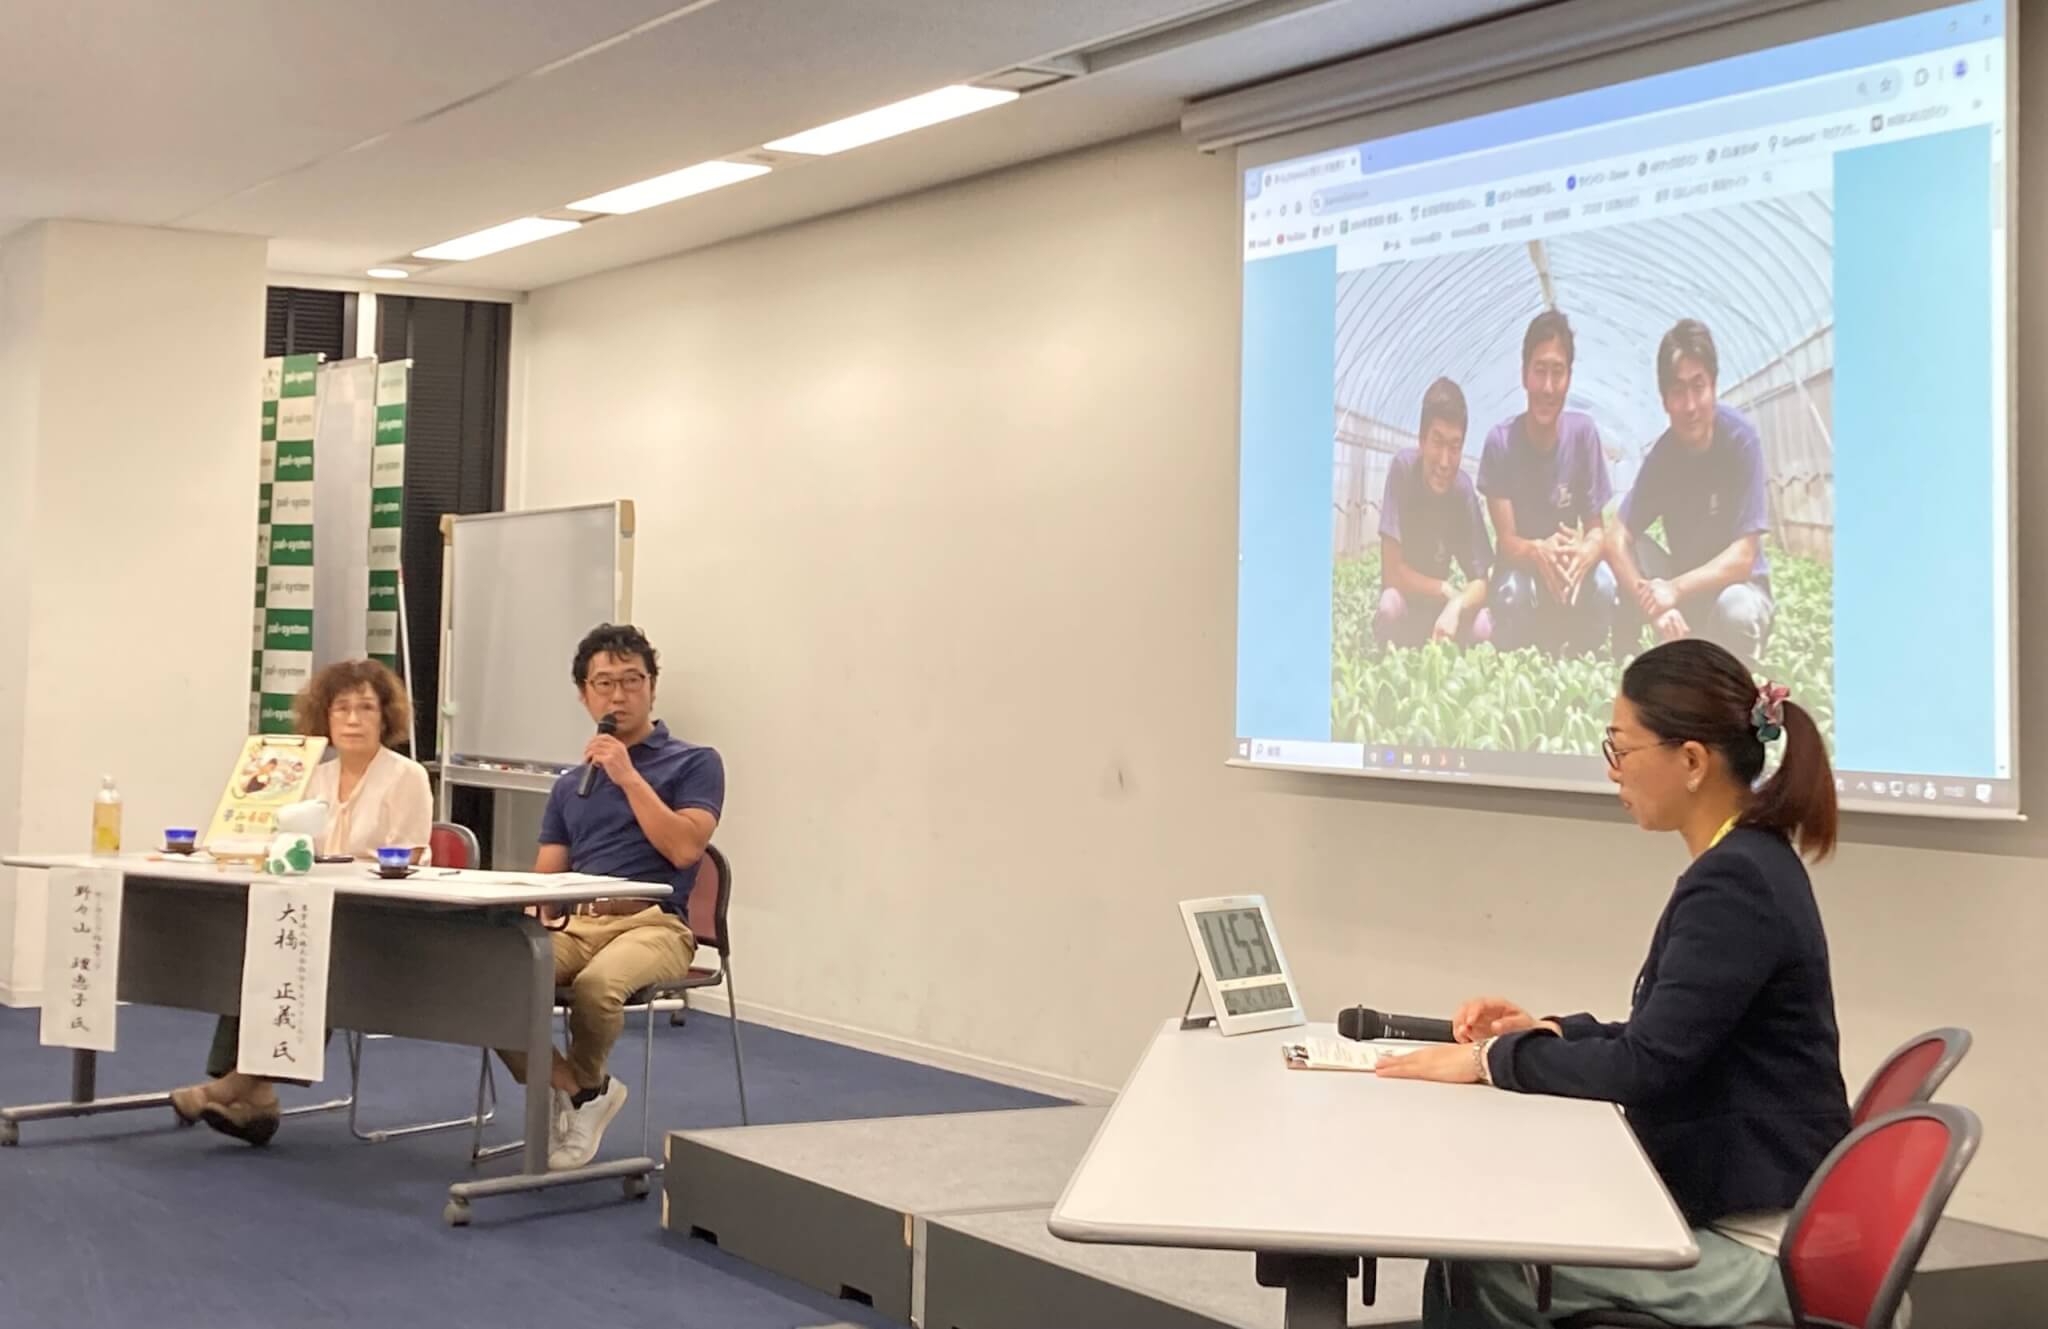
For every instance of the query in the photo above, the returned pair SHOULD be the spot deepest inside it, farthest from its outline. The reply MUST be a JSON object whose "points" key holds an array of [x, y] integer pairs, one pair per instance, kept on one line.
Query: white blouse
{"points": [[391, 805]]}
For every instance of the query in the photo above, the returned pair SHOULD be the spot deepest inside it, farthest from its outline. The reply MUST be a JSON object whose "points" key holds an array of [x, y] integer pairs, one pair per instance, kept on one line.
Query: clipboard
{"points": [[273, 772]]}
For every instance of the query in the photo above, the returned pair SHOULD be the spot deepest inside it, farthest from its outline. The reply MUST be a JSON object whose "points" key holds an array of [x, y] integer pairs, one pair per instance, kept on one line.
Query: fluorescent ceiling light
{"points": [[391, 274], [698, 179], [896, 118], [497, 238]]}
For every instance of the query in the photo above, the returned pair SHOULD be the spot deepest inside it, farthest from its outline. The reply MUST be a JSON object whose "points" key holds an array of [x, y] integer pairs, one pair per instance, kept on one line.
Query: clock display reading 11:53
{"points": [[1240, 949], [1237, 943]]}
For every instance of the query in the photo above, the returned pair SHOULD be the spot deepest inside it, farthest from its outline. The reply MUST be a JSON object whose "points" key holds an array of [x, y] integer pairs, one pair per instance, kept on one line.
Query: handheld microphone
{"points": [[1364, 1024], [608, 725]]}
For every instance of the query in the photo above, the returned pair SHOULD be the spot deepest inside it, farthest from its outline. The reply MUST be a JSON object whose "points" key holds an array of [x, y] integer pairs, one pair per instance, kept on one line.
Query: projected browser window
{"points": [[1720, 353]]}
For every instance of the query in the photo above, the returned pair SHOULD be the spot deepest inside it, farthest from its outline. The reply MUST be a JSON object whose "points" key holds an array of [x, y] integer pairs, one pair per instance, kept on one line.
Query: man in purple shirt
{"points": [[1705, 477], [1545, 481], [1429, 516]]}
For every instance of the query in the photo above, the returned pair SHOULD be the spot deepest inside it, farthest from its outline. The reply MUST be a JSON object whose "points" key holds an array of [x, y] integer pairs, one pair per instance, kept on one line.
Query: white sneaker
{"points": [[558, 1118], [581, 1129]]}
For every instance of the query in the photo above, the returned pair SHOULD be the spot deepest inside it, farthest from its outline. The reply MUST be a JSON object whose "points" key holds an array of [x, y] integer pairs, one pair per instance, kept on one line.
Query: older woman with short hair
{"points": [[376, 798]]}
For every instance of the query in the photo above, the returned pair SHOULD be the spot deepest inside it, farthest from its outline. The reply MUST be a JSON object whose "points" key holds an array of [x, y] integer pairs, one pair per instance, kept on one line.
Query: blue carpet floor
{"points": [[125, 1220]]}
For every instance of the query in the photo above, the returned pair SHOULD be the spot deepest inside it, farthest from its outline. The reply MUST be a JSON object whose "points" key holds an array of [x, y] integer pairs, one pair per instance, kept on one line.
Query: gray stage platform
{"points": [[940, 1221], [1004, 1270], [1977, 1277], [832, 1204]]}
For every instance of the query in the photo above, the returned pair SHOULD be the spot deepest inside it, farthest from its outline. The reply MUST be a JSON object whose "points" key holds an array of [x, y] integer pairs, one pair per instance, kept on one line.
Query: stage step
{"points": [[833, 1204], [1004, 1270], [939, 1221]]}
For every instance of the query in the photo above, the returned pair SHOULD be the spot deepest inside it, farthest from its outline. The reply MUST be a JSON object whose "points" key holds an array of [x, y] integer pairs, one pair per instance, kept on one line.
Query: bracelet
{"points": [[1480, 1053]]}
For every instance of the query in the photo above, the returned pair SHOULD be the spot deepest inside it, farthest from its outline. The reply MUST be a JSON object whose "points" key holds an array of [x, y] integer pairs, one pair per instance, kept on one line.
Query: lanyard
{"points": [[1722, 834]]}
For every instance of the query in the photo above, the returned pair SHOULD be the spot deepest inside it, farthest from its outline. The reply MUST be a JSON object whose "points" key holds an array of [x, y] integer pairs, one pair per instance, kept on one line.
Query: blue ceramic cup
{"points": [[180, 840], [394, 858]]}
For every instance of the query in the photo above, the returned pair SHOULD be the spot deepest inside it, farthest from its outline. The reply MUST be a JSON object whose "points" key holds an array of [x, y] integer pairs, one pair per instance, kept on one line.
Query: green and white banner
{"points": [[387, 509], [354, 414], [266, 475], [287, 561]]}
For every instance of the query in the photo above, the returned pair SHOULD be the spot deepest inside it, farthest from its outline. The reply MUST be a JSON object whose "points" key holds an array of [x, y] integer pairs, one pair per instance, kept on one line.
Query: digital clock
{"points": [[1238, 952]]}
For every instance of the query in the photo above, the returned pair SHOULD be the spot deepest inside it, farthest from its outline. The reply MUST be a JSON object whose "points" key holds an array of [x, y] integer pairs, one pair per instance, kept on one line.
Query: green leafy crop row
{"points": [[1442, 695]]}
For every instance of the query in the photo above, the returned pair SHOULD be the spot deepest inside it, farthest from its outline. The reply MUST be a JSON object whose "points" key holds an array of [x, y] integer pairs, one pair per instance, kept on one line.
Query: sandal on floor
{"points": [[244, 1121], [190, 1103]]}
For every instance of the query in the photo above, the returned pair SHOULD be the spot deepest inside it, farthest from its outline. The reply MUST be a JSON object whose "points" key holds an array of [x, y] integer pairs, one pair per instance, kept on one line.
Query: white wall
{"points": [[21, 304], [130, 549], [937, 526]]}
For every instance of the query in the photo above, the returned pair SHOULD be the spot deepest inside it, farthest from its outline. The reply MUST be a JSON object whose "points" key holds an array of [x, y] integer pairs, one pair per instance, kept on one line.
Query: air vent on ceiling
{"points": [[1030, 78]]}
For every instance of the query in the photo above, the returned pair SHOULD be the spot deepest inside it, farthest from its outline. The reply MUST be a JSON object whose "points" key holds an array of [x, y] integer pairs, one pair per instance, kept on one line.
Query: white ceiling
{"points": [[354, 133]]}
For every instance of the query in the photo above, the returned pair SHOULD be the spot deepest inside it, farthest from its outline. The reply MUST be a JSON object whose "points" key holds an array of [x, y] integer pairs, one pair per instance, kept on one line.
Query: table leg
{"points": [[540, 1056], [85, 1102], [82, 1103], [632, 1173], [1315, 1286], [481, 979]]}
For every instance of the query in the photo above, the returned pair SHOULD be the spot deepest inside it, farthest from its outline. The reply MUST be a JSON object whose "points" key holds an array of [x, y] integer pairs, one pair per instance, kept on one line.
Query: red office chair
{"points": [[1911, 1074], [453, 846], [710, 899], [1857, 1233]]}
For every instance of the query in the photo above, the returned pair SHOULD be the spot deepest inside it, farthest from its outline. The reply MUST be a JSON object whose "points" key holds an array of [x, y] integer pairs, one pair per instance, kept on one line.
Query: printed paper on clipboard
{"points": [[1339, 1054]]}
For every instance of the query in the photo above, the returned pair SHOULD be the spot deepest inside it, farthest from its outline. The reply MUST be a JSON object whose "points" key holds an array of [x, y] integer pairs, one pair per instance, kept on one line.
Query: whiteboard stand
{"points": [[518, 591], [405, 661]]}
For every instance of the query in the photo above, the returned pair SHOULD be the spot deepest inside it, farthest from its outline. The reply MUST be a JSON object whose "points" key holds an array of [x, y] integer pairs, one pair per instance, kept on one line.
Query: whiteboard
{"points": [[520, 591]]}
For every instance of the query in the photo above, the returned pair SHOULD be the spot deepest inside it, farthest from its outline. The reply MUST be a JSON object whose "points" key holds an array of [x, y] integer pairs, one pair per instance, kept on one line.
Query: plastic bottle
{"points": [[106, 818]]}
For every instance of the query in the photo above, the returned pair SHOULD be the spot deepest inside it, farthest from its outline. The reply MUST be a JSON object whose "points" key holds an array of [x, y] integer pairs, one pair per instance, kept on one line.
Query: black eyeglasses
{"points": [[1614, 752]]}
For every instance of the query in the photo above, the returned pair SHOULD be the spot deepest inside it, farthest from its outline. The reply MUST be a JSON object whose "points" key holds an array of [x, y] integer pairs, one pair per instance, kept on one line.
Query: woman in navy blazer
{"points": [[1729, 1064]]}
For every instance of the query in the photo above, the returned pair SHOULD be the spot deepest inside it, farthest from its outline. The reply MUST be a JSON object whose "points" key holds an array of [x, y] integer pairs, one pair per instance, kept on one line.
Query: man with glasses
{"points": [[648, 816]]}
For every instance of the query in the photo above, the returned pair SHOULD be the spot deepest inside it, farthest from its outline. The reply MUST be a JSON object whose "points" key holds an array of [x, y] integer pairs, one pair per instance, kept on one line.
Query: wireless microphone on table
{"points": [[1365, 1024]]}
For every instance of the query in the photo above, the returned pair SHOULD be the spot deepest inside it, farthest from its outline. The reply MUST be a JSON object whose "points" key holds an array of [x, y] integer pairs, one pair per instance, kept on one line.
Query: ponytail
{"points": [[1693, 691], [1798, 801]]}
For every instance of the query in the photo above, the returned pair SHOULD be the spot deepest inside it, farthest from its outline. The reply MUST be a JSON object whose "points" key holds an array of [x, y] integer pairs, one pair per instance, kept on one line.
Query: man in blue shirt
{"points": [[648, 816], [1545, 480], [1705, 477], [1429, 517]]}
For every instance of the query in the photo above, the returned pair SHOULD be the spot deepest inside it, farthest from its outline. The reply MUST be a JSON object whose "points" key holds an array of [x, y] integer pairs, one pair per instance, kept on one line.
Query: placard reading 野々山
{"points": [[83, 952]]}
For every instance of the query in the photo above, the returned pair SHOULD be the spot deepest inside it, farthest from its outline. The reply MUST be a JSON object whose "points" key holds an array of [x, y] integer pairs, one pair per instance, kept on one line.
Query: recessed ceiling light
{"points": [[698, 179], [496, 239], [896, 118], [391, 274]]}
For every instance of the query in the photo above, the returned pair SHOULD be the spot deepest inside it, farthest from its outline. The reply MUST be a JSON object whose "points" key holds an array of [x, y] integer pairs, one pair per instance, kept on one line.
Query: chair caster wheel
{"points": [[10, 1134], [457, 1213], [635, 1187]]}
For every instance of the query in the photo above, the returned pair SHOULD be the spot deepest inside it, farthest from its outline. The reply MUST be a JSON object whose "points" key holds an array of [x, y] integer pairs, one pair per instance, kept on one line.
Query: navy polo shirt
{"points": [[604, 837], [1708, 499], [1565, 485], [1434, 528]]}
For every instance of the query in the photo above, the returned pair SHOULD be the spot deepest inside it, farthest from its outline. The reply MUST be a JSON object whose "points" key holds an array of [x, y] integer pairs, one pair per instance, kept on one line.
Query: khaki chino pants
{"points": [[602, 960]]}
